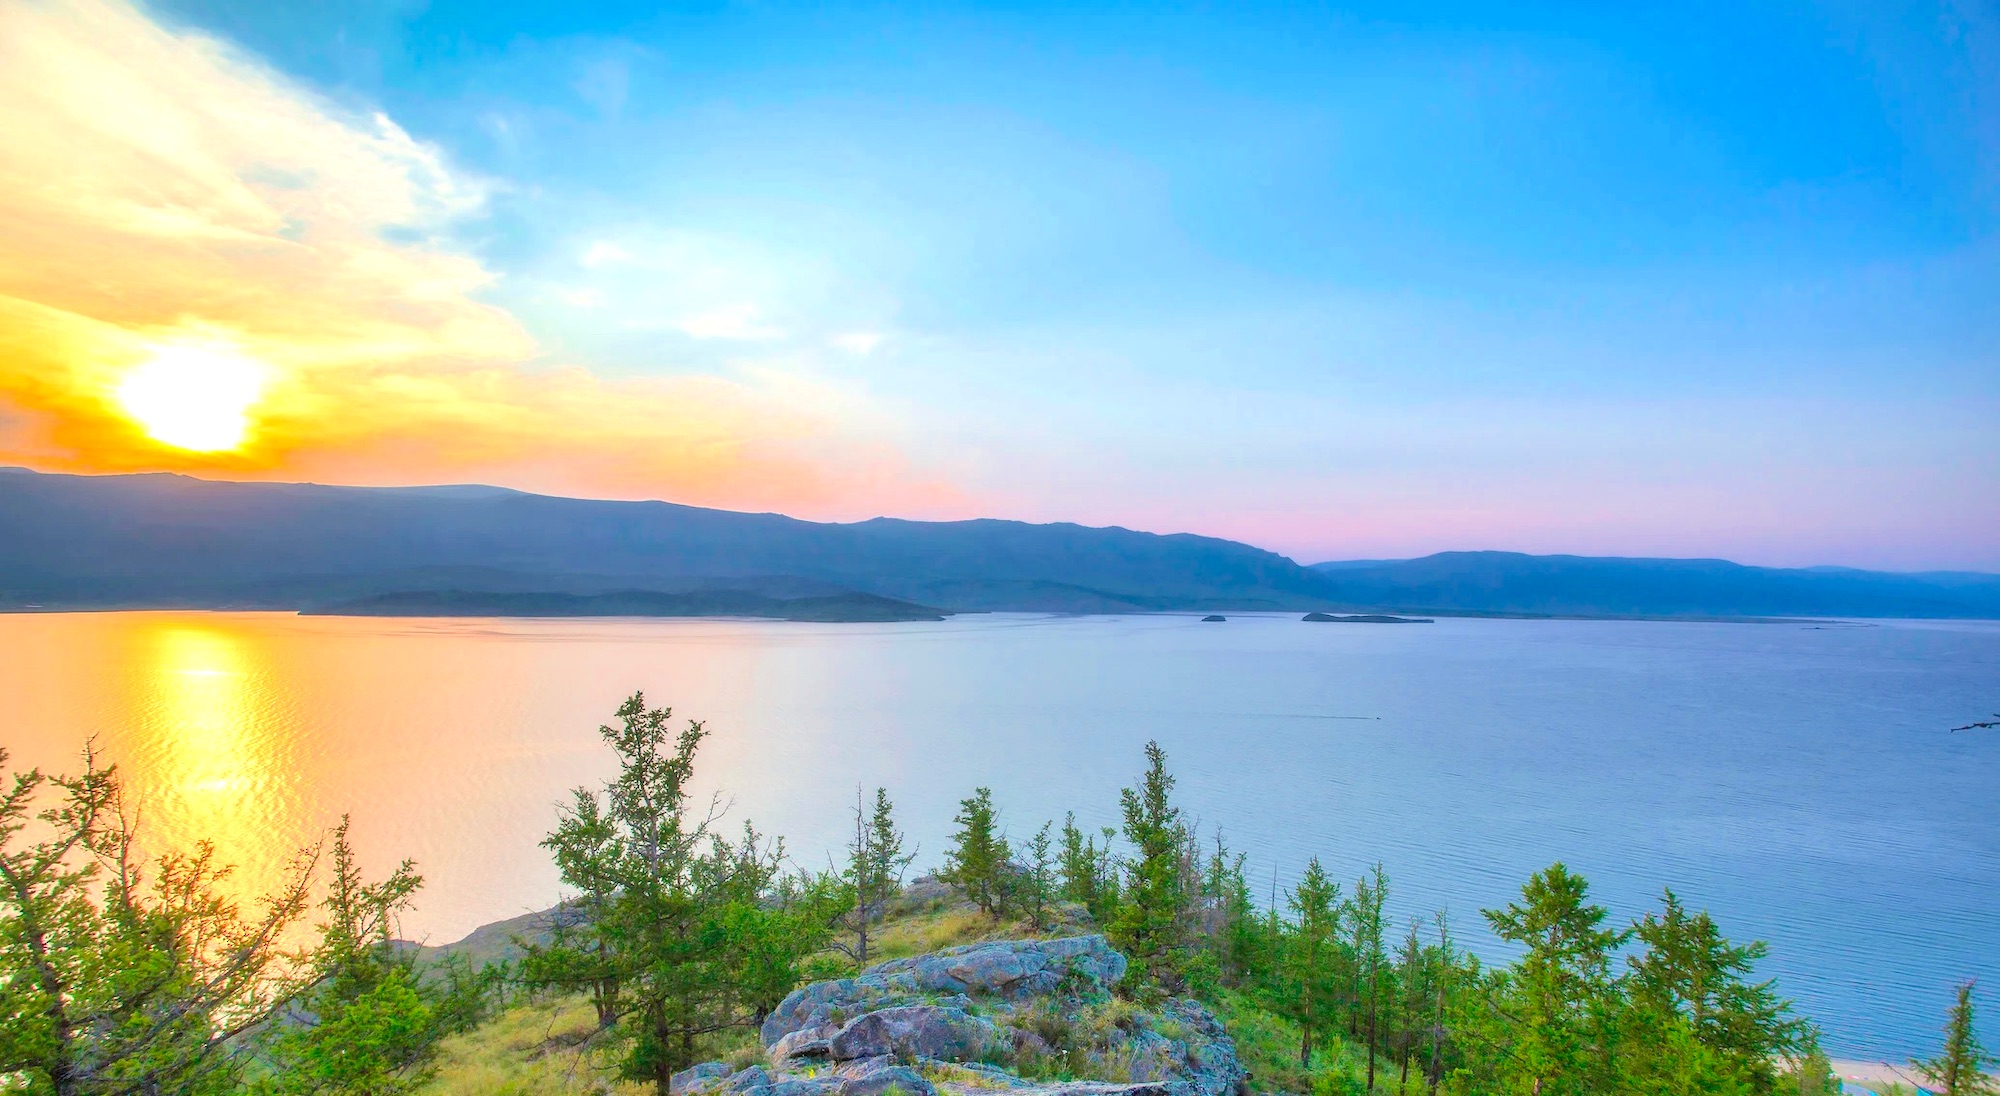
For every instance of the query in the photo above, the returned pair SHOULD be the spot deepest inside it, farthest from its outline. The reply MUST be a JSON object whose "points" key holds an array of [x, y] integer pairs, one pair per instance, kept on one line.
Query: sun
{"points": [[194, 398]]}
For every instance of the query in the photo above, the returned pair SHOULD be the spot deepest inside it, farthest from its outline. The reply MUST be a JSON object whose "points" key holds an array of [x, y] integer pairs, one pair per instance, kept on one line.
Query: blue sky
{"points": [[1702, 279]]}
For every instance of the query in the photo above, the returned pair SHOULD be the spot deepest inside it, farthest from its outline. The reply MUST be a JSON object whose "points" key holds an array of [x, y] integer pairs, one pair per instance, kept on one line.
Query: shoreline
{"points": [[1871, 1074]]}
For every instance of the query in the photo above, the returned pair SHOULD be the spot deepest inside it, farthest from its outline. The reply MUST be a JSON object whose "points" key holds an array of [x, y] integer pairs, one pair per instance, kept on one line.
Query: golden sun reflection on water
{"points": [[204, 760]]}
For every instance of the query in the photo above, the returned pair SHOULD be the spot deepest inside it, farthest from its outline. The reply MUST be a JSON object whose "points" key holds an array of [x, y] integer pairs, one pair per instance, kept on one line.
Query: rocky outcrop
{"points": [[1012, 971], [1006, 1017]]}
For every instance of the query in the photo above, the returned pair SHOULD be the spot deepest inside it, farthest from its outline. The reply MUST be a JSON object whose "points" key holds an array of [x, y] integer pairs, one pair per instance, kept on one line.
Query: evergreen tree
{"points": [[1690, 971], [1089, 877], [1233, 930], [686, 940], [370, 1024], [1558, 997], [112, 982], [1445, 983], [1960, 1068], [1412, 978], [1151, 926], [875, 864], [978, 861], [1310, 968], [1371, 956], [1039, 882], [1812, 1073]]}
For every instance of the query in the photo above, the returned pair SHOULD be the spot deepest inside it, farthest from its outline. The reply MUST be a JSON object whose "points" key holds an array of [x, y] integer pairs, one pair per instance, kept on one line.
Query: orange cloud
{"points": [[158, 189]]}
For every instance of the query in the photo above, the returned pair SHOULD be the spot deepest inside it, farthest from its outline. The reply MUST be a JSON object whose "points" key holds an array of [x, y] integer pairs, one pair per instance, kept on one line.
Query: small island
{"points": [[1361, 618], [1214, 618]]}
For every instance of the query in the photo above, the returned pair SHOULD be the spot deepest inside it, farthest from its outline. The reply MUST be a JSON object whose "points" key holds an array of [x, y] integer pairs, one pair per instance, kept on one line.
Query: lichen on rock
{"points": [[1025, 1017]]}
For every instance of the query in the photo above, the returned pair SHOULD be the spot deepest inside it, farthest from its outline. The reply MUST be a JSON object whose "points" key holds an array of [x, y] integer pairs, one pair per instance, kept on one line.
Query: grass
{"points": [[543, 1048], [1268, 1046], [540, 1049], [536, 1049]]}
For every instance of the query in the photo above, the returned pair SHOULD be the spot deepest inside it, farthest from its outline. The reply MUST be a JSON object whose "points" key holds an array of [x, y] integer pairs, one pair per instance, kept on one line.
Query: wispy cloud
{"points": [[737, 321], [160, 188]]}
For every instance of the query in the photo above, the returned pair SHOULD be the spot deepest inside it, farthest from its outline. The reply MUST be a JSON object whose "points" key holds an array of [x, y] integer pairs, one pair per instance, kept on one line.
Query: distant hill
{"points": [[170, 541], [1512, 583], [843, 608], [162, 540]]}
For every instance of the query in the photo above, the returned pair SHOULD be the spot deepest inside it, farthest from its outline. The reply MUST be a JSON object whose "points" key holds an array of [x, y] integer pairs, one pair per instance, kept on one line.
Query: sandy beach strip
{"points": [[1870, 1074]]}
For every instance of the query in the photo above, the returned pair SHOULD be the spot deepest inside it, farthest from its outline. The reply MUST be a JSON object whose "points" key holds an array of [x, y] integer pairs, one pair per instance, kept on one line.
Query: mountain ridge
{"points": [[1570, 585], [168, 540]]}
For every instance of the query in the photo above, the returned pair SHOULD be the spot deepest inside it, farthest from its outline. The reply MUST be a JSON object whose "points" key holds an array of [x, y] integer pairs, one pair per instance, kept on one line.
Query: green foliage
{"points": [[1314, 959], [875, 864], [1089, 874], [1689, 973], [370, 1024], [1371, 959], [1960, 1068], [978, 861], [1151, 924], [111, 982], [1812, 1072], [1554, 1006], [1038, 882], [677, 932], [1234, 934]]}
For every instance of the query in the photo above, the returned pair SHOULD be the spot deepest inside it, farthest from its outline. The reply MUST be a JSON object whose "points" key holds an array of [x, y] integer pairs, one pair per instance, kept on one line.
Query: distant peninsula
{"points": [[845, 608], [1361, 618]]}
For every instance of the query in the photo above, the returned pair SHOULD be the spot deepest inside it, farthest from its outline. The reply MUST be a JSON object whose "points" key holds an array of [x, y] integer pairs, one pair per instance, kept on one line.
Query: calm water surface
{"points": [[1797, 781]]}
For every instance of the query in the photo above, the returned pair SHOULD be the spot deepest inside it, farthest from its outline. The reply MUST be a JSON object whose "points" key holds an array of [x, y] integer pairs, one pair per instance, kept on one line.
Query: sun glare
{"points": [[193, 398]]}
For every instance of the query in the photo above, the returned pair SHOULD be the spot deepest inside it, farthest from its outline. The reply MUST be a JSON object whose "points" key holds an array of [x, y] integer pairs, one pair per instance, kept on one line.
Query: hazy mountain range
{"points": [[159, 541]]}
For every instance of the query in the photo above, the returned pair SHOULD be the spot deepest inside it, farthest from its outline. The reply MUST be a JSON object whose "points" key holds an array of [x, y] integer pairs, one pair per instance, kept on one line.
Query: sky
{"points": [[1343, 281]]}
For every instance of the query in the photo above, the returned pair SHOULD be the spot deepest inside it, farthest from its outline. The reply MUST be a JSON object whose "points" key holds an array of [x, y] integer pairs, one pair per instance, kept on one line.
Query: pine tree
{"points": [[1310, 967], [1446, 979], [115, 982], [371, 1023], [1151, 925], [1234, 933], [978, 860], [1558, 996], [875, 864], [1039, 877], [1089, 877], [686, 939], [1960, 1068], [1413, 983], [1811, 1070], [1371, 955], [112, 982], [1691, 972]]}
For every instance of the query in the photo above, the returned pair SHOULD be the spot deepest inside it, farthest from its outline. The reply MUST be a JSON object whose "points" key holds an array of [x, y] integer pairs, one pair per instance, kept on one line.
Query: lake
{"points": [[1799, 781]]}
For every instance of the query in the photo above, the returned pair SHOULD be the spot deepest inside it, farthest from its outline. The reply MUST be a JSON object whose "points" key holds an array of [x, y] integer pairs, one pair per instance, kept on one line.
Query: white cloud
{"points": [[604, 253], [737, 321], [858, 342]]}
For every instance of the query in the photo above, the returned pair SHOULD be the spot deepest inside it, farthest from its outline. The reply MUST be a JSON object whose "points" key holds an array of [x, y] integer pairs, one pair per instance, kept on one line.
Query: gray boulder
{"points": [[806, 1043], [705, 1077], [805, 1086], [1209, 1066], [750, 1082], [916, 1031], [930, 1026], [881, 1076], [1014, 969], [1010, 970], [1107, 1088]]}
